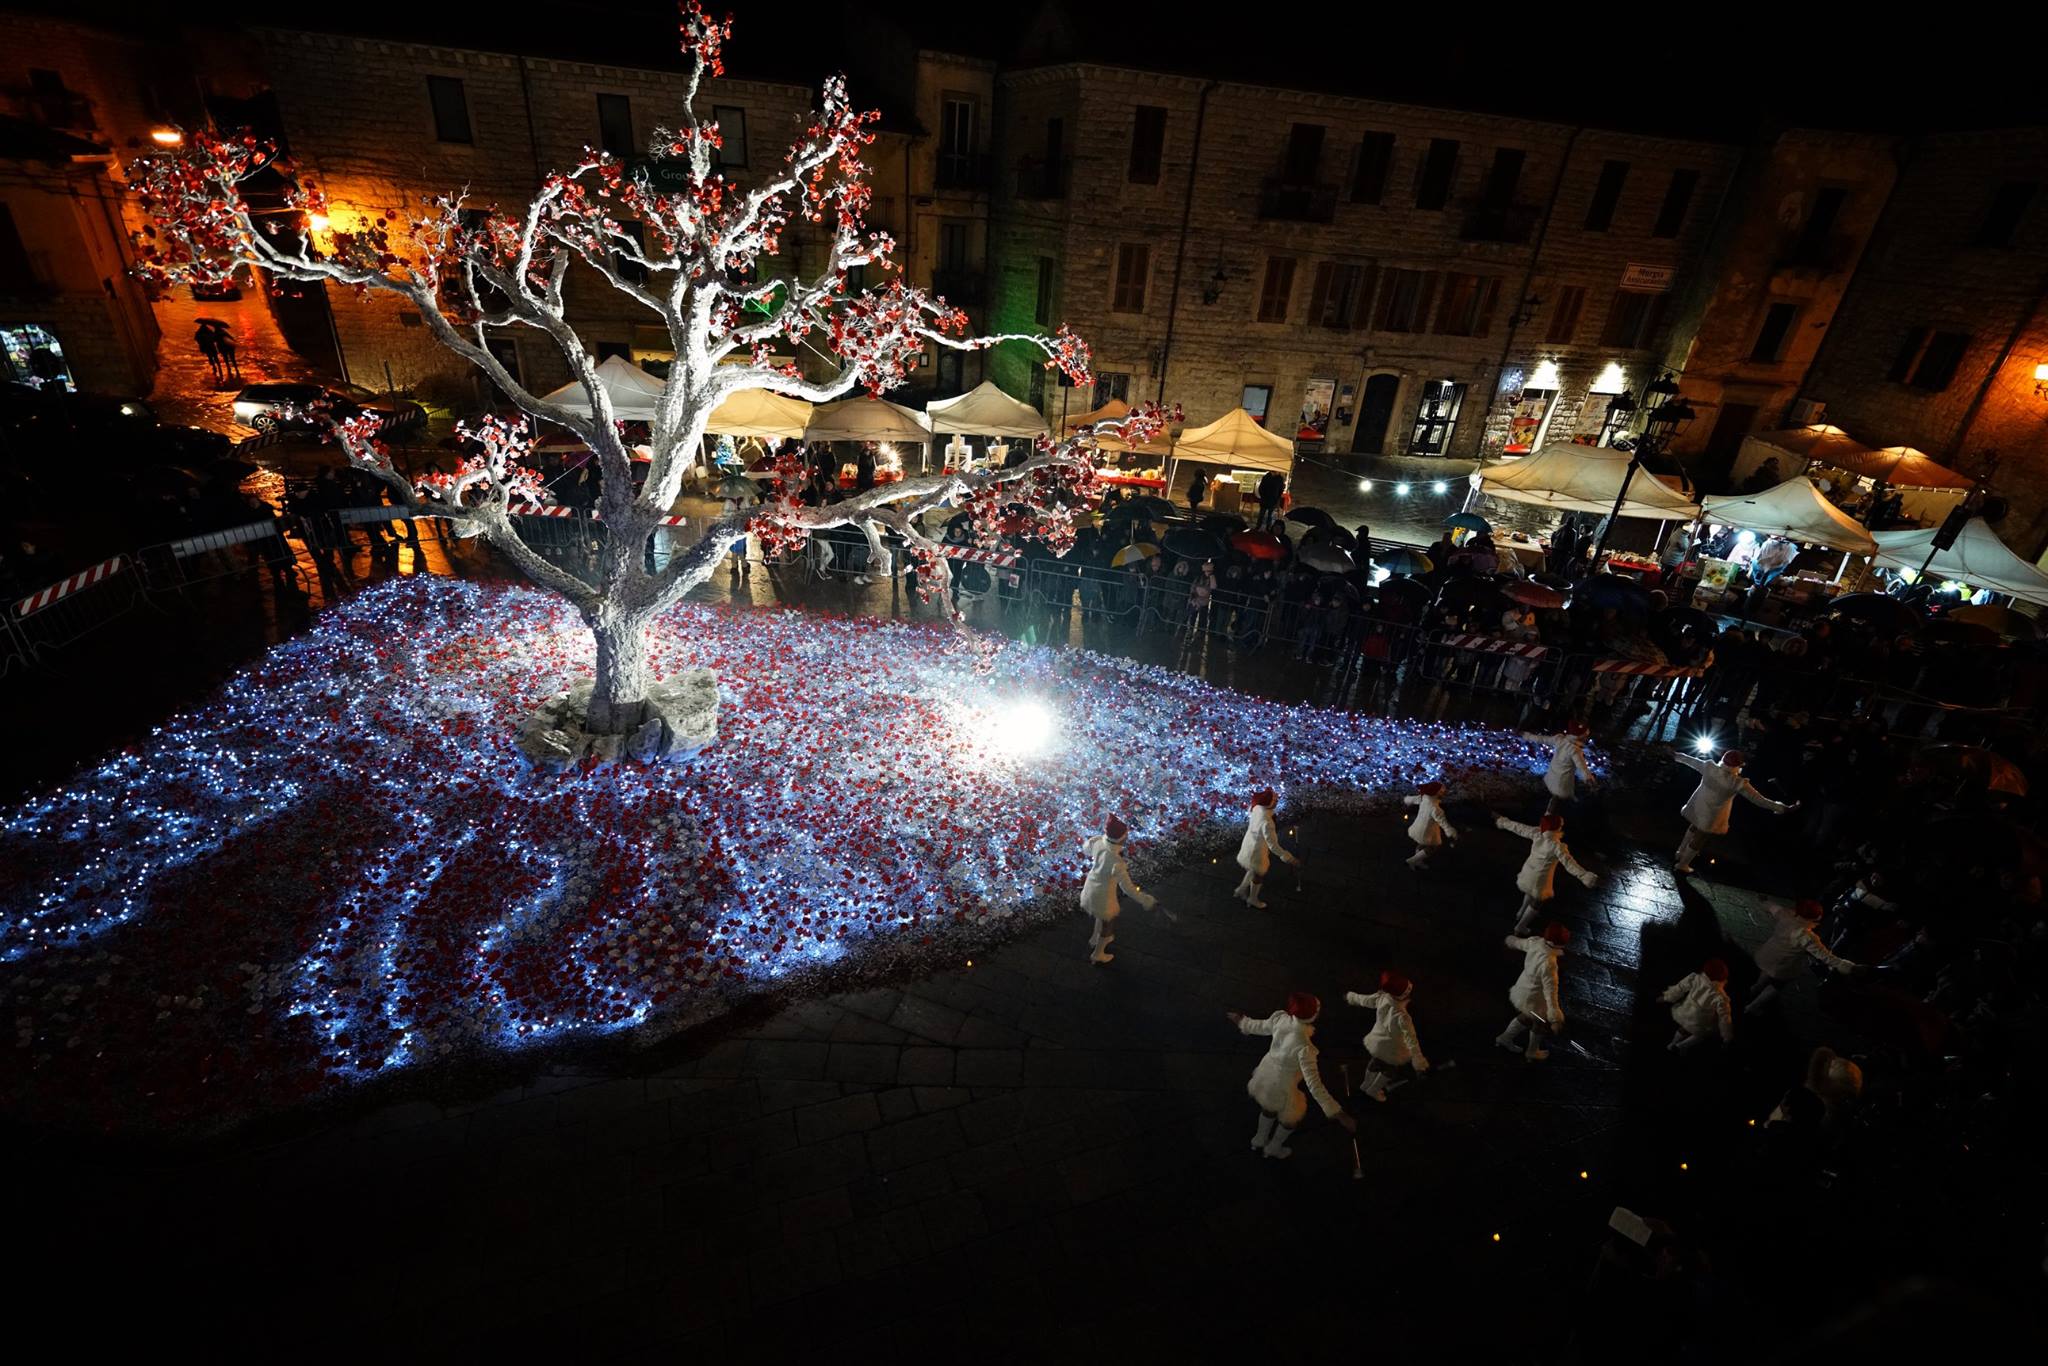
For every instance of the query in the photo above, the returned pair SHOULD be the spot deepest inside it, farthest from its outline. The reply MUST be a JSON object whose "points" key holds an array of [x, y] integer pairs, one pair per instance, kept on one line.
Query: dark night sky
{"points": [[1708, 70]]}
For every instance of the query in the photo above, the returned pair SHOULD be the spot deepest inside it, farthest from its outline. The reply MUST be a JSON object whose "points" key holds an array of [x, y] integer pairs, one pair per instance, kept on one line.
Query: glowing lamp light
{"points": [[1703, 744], [1024, 728], [166, 136], [1611, 381], [1683, 1167], [1496, 1237], [1545, 376], [1439, 487], [319, 221], [1582, 1176], [1401, 490], [1365, 486]]}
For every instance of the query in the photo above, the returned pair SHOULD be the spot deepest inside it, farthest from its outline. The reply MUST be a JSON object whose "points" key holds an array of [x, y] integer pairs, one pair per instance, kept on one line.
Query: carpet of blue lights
{"points": [[340, 866]]}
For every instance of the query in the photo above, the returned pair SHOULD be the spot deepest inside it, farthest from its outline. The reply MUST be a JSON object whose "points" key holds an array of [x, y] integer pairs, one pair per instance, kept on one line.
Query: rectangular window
{"points": [[1938, 361], [1278, 289], [1437, 417], [1369, 176], [1631, 318], [451, 109], [1042, 311], [1606, 195], [732, 133], [1677, 199], [1433, 181], [17, 273], [1109, 386], [1813, 246], [1133, 274], [1255, 400], [1148, 144], [1467, 304], [1503, 179], [1772, 336], [958, 164], [1909, 352], [953, 245], [1304, 153], [1341, 295], [615, 124], [1564, 319], [1405, 299], [2008, 207], [628, 267]]}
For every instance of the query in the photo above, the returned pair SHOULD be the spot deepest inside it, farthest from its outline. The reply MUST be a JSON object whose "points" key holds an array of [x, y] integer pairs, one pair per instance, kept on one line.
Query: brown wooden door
{"points": [[1375, 412]]}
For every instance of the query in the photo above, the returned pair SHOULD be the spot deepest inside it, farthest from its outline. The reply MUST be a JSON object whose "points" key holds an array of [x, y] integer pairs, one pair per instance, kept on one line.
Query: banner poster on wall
{"points": [[1315, 410]]}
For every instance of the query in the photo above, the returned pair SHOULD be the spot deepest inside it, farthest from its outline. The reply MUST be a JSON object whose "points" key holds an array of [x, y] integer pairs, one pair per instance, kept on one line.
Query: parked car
{"points": [[263, 405]]}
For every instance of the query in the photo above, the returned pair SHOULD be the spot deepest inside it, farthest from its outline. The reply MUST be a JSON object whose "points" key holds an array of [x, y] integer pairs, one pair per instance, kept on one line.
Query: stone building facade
{"points": [[1938, 340], [1440, 282]]}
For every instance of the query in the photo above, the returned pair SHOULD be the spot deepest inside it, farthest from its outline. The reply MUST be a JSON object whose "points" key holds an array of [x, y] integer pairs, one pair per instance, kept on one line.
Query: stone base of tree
{"points": [[682, 720]]}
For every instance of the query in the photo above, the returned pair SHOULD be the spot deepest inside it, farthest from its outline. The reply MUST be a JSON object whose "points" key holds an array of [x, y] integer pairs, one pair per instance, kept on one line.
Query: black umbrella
{"points": [[1324, 555], [1311, 517], [1222, 523], [1190, 544], [1948, 631], [1472, 596], [1330, 535], [1337, 583], [1143, 505], [1875, 609]]}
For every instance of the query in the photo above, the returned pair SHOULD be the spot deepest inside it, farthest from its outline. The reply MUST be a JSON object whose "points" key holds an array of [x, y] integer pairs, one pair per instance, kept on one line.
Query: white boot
{"points": [[1375, 1085], [1764, 996], [1510, 1038], [1278, 1147], [1535, 1051], [1244, 888], [1255, 898], [1419, 860], [1267, 1124]]}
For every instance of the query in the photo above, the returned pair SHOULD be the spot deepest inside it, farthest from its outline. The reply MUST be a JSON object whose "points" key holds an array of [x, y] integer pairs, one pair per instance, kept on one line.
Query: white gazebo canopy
{"points": [[1573, 478], [1795, 509], [634, 393], [760, 413], [984, 410], [867, 419], [1237, 439], [1978, 558]]}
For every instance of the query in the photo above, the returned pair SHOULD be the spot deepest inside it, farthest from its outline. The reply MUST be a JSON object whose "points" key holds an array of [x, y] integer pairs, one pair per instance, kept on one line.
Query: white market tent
{"points": [[1571, 478], [1978, 558], [1794, 509], [634, 393], [1927, 489], [867, 419], [984, 410], [1237, 439], [1116, 410], [760, 414]]}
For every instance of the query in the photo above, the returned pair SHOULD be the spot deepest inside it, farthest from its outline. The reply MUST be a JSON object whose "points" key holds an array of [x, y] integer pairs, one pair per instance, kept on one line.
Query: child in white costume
{"points": [[1706, 810], [1392, 1042], [1255, 854], [1107, 872], [1784, 953], [1536, 995], [1699, 1007], [1538, 876], [1429, 829], [1567, 762], [1290, 1060]]}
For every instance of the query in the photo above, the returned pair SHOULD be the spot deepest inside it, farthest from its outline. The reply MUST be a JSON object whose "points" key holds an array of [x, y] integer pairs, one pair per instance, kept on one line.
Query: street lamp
{"points": [[1667, 418]]}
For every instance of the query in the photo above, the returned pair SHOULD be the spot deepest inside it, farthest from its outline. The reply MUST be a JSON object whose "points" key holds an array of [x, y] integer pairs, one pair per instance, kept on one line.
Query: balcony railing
{"points": [[1038, 178], [1294, 202], [961, 171], [959, 286], [1509, 223]]}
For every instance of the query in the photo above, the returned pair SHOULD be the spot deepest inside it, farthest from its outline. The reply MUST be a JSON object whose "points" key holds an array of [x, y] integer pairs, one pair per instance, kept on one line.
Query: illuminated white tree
{"points": [[697, 257]]}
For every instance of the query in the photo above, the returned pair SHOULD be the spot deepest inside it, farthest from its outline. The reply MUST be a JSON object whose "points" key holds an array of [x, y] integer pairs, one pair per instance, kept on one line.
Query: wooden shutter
{"points": [[1319, 296], [1488, 297], [1361, 307]]}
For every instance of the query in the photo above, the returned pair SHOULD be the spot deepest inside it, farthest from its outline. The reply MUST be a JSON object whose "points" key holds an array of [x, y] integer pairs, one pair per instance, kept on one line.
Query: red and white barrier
{"points": [[1001, 558], [1495, 645], [64, 588], [1630, 666]]}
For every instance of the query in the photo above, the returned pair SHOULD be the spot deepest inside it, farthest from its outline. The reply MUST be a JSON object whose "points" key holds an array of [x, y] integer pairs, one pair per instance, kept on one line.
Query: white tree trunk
{"points": [[618, 701]]}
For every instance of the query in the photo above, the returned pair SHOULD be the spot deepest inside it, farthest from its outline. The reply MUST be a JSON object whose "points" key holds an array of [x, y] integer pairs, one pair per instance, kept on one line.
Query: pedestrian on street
{"points": [[1536, 994], [1782, 957], [1198, 491], [1276, 1082], [1706, 811], [1391, 1044], [1567, 763], [1272, 489], [224, 343], [1107, 873], [1538, 876], [209, 346], [1255, 854], [1699, 1007], [1429, 829]]}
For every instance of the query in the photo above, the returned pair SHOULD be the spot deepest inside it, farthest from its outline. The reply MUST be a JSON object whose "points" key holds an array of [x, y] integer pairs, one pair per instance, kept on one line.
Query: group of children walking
{"points": [[1700, 1005]]}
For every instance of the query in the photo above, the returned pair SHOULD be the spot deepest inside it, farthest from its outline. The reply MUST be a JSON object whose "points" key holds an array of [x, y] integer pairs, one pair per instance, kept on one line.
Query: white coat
{"points": [[1392, 1039], [1792, 940], [1535, 992], [1107, 871], [1708, 807], [1261, 842], [1567, 764], [1699, 1005], [1290, 1060], [1429, 828], [1546, 851]]}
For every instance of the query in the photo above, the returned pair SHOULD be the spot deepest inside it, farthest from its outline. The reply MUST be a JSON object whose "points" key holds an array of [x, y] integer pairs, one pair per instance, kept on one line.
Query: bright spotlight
{"points": [[1401, 489], [1365, 486], [1703, 744], [1023, 728], [1439, 487]]}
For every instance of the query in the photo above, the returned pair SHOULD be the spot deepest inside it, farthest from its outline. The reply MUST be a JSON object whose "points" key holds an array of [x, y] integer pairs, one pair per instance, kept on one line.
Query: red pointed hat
{"points": [[1714, 970], [1551, 821], [1394, 984], [1810, 909], [1303, 1006], [1264, 797], [1115, 828], [1557, 934], [1431, 789], [1578, 728], [1734, 758]]}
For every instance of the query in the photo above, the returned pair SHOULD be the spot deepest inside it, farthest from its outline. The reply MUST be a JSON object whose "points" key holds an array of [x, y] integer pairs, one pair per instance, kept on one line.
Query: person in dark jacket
{"points": [[1272, 489]]}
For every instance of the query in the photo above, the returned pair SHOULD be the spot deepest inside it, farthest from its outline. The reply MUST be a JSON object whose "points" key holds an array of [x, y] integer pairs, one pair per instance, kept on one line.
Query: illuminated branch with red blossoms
{"points": [[738, 275]]}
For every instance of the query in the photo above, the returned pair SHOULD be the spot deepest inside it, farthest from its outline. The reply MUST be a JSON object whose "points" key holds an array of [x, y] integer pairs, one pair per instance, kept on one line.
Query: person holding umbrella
{"points": [[1276, 1082], [1706, 811], [1255, 854]]}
